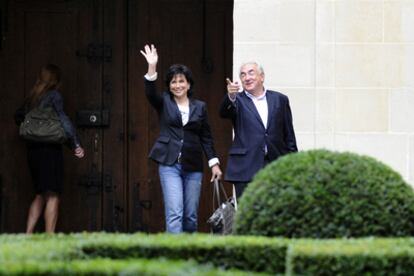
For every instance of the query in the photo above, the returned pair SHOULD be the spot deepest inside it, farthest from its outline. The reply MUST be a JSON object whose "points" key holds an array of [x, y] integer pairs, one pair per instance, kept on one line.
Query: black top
{"points": [[190, 140]]}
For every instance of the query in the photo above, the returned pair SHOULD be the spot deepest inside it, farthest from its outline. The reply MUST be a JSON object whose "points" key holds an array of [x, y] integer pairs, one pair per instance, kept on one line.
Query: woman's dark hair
{"points": [[47, 80], [179, 69]]}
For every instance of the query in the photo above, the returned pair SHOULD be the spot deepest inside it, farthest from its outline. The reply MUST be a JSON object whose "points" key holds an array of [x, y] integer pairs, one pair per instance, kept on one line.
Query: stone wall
{"points": [[347, 67]]}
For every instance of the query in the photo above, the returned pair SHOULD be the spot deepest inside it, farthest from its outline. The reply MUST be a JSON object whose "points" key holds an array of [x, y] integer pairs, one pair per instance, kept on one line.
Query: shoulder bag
{"points": [[42, 124]]}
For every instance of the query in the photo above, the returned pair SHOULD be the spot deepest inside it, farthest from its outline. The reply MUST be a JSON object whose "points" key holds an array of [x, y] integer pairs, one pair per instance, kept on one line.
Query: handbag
{"points": [[42, 124], [221, 221]]}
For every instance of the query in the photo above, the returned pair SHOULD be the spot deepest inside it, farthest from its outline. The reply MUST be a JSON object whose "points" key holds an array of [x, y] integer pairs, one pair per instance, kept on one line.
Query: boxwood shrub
{"points": [[114, 267], [258, 254], [200, 254], [324, 194], [243, 253], [379, 257]]}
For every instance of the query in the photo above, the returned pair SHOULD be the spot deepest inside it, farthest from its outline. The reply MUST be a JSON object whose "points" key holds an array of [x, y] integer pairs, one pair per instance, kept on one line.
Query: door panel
{"points": [[57, 32], [44, 32], [96, 43], [81, 207], [114, 143]]}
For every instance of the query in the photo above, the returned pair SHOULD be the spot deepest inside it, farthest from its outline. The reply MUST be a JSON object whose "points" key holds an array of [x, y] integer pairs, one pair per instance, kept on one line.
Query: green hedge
{"points": [[201, 254], [352, 257], [324, 194], [244, 253], [113, 267], [20, 248], [42, 247]]}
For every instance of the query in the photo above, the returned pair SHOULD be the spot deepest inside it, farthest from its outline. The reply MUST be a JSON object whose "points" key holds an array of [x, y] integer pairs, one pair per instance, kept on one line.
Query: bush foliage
{"points": [[113, 267], [56, 252], [379, 257], [200, 254], [236, 252], [323, 194]]}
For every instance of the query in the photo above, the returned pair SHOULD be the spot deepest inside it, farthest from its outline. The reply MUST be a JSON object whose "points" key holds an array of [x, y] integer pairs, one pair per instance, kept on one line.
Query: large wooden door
{"points": [[96, 43], [200, 35], [86, 39]]}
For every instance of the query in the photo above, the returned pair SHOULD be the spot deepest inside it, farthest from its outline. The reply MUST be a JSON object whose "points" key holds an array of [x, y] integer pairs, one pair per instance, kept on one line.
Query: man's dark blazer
{"points": [[247, 153], [190, 140]]}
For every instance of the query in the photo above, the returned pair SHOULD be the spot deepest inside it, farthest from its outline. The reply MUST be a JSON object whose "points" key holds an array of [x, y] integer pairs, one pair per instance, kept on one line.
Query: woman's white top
{"points": [[185, 113]]}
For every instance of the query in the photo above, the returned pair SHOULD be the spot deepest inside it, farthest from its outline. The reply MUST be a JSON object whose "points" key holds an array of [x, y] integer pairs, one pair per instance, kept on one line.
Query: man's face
{"points": [[252, 79]]}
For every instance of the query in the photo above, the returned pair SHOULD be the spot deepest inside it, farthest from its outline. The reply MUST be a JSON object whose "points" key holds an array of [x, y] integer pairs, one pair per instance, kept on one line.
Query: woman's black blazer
{"points": [[190, 140]]}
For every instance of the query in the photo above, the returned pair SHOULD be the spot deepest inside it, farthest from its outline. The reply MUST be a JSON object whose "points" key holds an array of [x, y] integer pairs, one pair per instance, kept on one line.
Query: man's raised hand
{"points": [[232, 88]]}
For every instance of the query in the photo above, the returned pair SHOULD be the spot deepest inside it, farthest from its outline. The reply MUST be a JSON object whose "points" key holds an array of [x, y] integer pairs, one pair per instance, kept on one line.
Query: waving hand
{"points": [[150, 54]]}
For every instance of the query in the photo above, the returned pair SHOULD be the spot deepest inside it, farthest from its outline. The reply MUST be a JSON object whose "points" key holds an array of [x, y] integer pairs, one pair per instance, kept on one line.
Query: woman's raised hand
{"points": [[150, 54]]}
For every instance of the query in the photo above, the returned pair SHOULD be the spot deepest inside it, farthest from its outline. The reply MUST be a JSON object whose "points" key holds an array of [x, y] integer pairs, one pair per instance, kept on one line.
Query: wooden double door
{"points": [[96, 43]]}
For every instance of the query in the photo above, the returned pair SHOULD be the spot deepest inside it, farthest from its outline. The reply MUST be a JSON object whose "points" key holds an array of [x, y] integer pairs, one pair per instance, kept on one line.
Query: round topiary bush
{"points": [[324, 194]]}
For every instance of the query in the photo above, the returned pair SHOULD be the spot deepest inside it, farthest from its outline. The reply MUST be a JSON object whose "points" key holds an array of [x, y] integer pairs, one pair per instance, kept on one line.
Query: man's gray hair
{"points": [[259, 66]]}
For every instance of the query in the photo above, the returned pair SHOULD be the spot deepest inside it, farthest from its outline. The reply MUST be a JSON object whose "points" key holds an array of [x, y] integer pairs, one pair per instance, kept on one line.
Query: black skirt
{"points": [[46, 167]]}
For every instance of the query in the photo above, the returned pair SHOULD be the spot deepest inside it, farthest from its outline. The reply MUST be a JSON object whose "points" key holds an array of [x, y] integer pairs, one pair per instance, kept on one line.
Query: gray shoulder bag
{"points": [[42, 124]]}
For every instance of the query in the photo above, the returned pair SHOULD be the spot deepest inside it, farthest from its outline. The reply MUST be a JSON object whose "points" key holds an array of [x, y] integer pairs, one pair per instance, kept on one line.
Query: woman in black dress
{"points": [[46, 159]]}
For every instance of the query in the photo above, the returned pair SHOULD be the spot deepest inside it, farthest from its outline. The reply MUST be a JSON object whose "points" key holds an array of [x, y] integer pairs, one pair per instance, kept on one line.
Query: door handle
{"points": [[95, 142]]}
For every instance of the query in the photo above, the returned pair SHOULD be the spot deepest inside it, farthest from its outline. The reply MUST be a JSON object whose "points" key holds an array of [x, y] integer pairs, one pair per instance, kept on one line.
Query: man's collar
{"points": [[251, 96]]}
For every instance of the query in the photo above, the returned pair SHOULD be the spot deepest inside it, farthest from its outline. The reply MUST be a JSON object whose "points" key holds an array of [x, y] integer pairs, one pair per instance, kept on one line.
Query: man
{"points": [[262, 122]]}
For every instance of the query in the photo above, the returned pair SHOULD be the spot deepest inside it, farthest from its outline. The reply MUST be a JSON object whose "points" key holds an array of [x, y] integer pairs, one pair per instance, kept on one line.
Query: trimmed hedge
{"points": [[41, 247], [99, 253], [244, 253], [352, 257], [323, 194], [113, 267]]}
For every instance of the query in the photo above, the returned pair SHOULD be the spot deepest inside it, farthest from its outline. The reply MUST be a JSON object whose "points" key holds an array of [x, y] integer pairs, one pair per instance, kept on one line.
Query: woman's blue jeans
{"points": [[181, 191]]}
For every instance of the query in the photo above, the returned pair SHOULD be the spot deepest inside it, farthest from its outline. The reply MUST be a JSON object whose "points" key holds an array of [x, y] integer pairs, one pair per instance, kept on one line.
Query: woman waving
{"points": [[184, 135]]}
